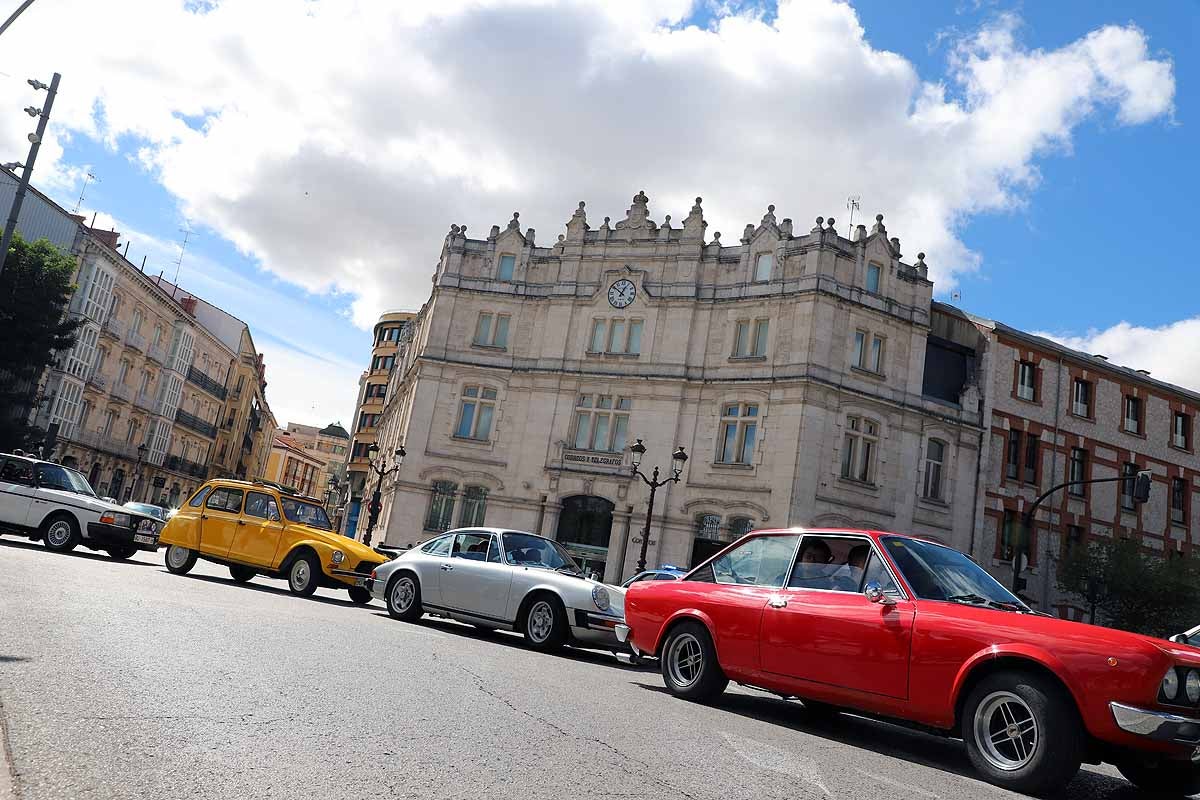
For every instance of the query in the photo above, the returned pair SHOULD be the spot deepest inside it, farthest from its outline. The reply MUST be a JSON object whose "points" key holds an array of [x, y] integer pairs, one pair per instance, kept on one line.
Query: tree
{"points": [[1131, 588], [35, 291]]}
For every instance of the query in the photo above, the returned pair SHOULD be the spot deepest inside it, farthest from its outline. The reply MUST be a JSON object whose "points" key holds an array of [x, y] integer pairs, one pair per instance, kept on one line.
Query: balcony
{"points": [[97, 381], [145, 401], [121, 391], [179, 464], [113, 327], [135, 340], [206, 383], [158, 354], [97, 440], [192, 422]]}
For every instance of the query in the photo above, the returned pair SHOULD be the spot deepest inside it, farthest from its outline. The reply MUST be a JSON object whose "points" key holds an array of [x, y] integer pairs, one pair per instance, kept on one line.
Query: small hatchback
{"points": [[261, 529]]}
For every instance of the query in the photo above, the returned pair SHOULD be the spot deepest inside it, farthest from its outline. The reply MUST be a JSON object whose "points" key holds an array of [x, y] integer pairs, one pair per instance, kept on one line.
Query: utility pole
{"points": [[13, 16], [35, 143]]}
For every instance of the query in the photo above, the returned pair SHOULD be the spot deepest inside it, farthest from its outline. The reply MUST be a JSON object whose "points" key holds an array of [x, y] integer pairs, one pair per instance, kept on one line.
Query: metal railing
{"points": [[135, 340], [98, 440], [121, 391], [196, 423], [114, 327], [179, 464], [97, 380], [206, 383], [157, 353], [145, 401]]}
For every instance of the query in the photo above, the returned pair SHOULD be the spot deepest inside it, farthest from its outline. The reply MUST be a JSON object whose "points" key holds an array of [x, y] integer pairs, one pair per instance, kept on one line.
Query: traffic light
{"points": [[1141, 487]]}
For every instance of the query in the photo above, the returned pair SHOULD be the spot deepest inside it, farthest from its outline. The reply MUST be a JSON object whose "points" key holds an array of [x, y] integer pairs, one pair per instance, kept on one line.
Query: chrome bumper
{"points": [[1160, 726], [622, 632]]}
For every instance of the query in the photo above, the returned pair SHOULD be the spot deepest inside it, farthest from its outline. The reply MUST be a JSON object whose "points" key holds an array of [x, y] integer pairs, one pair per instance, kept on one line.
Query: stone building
{"points": [[330, 444], [293, 466], [791, 365]]}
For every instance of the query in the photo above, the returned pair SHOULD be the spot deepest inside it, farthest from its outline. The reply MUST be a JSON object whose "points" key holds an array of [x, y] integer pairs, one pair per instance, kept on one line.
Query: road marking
{"points": [[895, 784], [767, 756]]}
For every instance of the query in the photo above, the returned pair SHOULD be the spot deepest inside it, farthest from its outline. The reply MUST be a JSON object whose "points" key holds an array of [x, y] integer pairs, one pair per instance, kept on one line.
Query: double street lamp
{"points": [[678, 459], [42, 115], [380, 468]]}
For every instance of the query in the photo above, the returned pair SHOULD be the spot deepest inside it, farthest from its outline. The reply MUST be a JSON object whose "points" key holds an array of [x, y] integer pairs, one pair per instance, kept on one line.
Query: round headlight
{"points": [[1191, 685], [600, 597], [338, 556], [1170, 684]]}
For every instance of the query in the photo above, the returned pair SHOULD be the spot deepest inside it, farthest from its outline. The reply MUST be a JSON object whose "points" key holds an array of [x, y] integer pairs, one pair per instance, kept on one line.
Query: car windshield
{"points": [[309, 514], [526, 550], [52, 476], [146, 508], [936, 572]]}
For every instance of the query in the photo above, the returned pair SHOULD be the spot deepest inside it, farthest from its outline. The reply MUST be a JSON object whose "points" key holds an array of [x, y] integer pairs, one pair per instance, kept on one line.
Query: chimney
{"points": [[189, 305]]}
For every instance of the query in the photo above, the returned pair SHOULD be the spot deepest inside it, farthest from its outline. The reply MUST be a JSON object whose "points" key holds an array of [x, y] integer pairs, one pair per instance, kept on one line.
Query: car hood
{"points": [[355, 551], [100, 506]]}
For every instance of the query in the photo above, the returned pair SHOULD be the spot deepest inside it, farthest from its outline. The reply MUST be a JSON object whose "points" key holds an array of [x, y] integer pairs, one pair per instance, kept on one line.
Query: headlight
{"points": [[1191, 685], [600, 597], [112, 518], [1170, 684], [338, 556]]}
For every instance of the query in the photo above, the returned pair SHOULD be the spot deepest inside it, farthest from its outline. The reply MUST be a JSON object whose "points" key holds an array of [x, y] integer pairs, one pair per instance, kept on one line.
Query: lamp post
{"points": [[678, 459], [381, 469], [35, 141], [137, 472]]}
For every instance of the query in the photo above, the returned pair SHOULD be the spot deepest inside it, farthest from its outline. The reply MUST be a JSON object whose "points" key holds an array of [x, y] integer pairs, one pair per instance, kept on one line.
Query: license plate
{"points": [[140, 539]]}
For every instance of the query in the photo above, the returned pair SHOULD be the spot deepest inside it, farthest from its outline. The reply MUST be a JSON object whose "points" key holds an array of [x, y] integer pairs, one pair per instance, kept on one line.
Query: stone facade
{"points": [[790, 365], [294, 466]]}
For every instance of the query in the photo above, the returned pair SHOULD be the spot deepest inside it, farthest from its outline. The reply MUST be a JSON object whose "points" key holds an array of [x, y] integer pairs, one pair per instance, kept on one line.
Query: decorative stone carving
{"points": [[577, 225], [694, 224]]}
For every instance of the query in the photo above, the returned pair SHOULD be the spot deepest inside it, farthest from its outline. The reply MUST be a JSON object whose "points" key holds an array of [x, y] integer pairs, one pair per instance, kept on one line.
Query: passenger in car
{"points": [[813, 569], [849, 575]]}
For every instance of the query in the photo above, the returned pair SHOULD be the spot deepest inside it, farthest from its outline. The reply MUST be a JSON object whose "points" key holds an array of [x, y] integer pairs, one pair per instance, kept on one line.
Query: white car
{"points": [[56, 504], [501, 579]]}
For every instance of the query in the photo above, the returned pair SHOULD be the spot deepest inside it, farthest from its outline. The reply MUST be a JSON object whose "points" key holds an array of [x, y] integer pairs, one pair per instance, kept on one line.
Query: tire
{"points": [[545, 623], [179, 560], [121, 553], [1164, 779], [689, 664], [304, 575], [1049, 745], [60, 533], [359, 595], [403, 597], [241, 574]]}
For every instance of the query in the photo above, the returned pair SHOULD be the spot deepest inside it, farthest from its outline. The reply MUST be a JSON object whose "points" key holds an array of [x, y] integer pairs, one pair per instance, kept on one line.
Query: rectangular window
{"points": [[491, 330], [635, 337], [1026, 381], [616, 336], [441, 507], [505, 273], [600, 423], [935, 456], [858, 449], [1181, 430], [1129, 473], [875, 364], [873, 273], [762, 268], [475, 413], [750, 340], [741, 339], [1012, 456], [1081, 398], [860, 349], [739, 431], [1179, 501], [597, 343], [1133, 414], [1031, 458], [760, 337], [1078, 471], [473, 507]]}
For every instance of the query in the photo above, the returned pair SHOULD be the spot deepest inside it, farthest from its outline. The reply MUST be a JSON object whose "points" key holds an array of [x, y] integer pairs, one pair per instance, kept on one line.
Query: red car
{"points": [[905, 629]]}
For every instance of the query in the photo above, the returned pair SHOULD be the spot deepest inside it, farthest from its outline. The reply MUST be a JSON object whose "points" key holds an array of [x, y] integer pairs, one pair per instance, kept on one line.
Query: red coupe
{"points": [[909, 630]]}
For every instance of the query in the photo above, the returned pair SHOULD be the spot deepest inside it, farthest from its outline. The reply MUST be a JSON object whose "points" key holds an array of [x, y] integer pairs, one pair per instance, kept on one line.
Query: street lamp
{"points": [[678, 459], [42, 115], [381, 469], [137, 471]]}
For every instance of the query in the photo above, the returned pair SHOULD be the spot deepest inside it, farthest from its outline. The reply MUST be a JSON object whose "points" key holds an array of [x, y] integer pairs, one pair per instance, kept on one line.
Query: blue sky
{"points": [[337, 174]]}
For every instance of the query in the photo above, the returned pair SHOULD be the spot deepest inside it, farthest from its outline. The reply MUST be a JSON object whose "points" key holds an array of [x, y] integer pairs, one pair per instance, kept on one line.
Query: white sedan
{"points": [[501, 579]]}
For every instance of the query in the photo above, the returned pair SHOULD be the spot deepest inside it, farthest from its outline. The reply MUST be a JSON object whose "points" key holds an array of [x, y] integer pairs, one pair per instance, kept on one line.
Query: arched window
{"points": [[935, 458], [441, 506], [708, 526], [740, 526], [473, 506]]}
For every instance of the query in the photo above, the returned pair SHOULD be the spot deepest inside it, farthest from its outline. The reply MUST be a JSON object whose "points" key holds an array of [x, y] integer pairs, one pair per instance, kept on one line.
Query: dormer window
{"points": [[762, 268], [505, 273], [874, 272]]}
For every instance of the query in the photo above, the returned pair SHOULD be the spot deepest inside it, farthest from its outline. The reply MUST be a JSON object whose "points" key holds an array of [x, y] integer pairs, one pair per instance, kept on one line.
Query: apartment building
{"points": [[332, 444], [293, 466]]}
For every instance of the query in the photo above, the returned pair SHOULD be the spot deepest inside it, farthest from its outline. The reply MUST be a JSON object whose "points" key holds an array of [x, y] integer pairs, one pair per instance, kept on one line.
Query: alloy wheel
{"points": [[403, 593], [1006, 731], [685, 660], [541, 621], [59, 533]]}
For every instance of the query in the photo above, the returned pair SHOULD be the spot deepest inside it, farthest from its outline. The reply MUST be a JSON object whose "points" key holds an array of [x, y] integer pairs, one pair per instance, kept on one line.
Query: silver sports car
{"points": [[511, 580]]}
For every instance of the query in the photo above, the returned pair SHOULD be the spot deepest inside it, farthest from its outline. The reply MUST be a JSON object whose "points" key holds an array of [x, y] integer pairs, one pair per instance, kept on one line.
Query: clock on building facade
{"points": [[621, 293]]}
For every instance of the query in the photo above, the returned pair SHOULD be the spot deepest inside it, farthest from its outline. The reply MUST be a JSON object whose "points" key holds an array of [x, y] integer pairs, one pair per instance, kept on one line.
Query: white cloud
{"points": [[335, 142], [1168, 352], [312, 389]]}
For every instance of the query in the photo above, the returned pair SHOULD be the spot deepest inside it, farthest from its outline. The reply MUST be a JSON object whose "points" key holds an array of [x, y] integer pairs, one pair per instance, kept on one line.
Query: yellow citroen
{"points": [[261, 529]]}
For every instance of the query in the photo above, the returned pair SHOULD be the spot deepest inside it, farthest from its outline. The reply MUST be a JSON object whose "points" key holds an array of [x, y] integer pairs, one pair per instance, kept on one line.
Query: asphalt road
{"points": [[122, 680]]}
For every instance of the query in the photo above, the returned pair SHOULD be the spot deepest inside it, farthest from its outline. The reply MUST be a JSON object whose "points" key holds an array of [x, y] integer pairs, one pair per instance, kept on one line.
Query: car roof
{"points": [[871, 533]]}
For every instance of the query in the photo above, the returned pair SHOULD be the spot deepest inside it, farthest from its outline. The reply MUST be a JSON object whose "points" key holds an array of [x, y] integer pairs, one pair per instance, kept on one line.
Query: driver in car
{"points": [[813, 570]]}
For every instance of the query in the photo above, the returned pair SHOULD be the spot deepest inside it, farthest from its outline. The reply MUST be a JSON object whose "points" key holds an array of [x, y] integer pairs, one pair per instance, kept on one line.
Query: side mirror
{"points": [[874, 593], [1179, 638]]}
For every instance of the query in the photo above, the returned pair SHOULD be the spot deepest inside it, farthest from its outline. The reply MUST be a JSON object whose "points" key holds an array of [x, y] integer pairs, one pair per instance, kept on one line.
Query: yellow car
{"points": [[258, 528]]}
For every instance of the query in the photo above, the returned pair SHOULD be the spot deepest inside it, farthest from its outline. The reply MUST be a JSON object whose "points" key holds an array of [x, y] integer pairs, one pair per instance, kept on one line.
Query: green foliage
{"points": [[1125, 586], [35, 291]]}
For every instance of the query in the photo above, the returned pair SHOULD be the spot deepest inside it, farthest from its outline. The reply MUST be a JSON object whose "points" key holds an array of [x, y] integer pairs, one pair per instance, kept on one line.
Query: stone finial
{"points": [[785, 228], [922, 267], [638, 215], [495, 232], [561, 238], [694, 224], [831, 229], [577, 225], [462, 230], [878, 226], [716, 239], [769, 217], [529, 236], [895, 247], [920, 259], [664, 230], [860, 233], [748, 233], [820, 222], [606, 226], [453, 230], [514, 224]]}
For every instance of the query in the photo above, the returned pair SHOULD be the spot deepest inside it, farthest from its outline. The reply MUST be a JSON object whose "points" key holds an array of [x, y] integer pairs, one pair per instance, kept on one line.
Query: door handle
{"points": [[446, 567], [241, 522], [204, 516], [777, 602]]}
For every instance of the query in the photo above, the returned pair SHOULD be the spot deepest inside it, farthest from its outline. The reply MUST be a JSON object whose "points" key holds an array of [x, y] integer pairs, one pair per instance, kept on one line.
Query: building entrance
{"points": [[584, 527]]}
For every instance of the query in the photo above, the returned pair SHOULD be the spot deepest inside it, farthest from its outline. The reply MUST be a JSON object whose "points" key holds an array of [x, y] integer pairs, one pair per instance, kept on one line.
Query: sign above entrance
{"points": [[581, 457]]}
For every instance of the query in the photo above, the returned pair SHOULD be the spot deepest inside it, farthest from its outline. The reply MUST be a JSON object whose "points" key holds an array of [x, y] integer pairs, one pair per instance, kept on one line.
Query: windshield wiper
{"points": [[1003, 605]]}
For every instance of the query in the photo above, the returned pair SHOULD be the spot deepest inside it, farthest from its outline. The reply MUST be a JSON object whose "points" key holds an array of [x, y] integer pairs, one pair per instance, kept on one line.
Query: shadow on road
{"points": [[11, 659], [895, 741], [267, 589], [101, 556]]}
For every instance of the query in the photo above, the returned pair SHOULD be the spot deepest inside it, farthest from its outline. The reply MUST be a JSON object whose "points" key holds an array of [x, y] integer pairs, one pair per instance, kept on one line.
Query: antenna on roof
{"points": [[853, 203], [90, 177], [187, 233]]}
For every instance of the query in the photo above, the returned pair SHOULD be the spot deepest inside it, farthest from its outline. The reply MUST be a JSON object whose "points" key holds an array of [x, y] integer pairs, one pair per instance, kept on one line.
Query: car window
{"points": [[641, 576], [877, 571], [439, 546], [937, 572], [761, 561], [472, 546], [52, 476], [199, 496], [16, 470], [665, 576], [224, 499], [831, 563], [493, 552], [309, 514], [527, 550], [262, 506]]}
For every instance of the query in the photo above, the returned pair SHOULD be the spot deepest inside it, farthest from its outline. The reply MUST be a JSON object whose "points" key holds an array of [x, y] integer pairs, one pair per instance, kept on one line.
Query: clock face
{"points": [[621, 293]]}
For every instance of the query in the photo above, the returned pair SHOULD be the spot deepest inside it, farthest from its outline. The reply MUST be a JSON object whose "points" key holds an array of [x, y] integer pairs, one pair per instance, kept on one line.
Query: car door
{"points": [[475, 578], [16, 491], [256, 539], [219, 520], [433, 555], [822, 628]]}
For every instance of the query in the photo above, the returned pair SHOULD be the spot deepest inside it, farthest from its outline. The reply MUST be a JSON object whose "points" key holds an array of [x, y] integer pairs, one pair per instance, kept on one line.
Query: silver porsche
{"points": [[503, 579]]}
